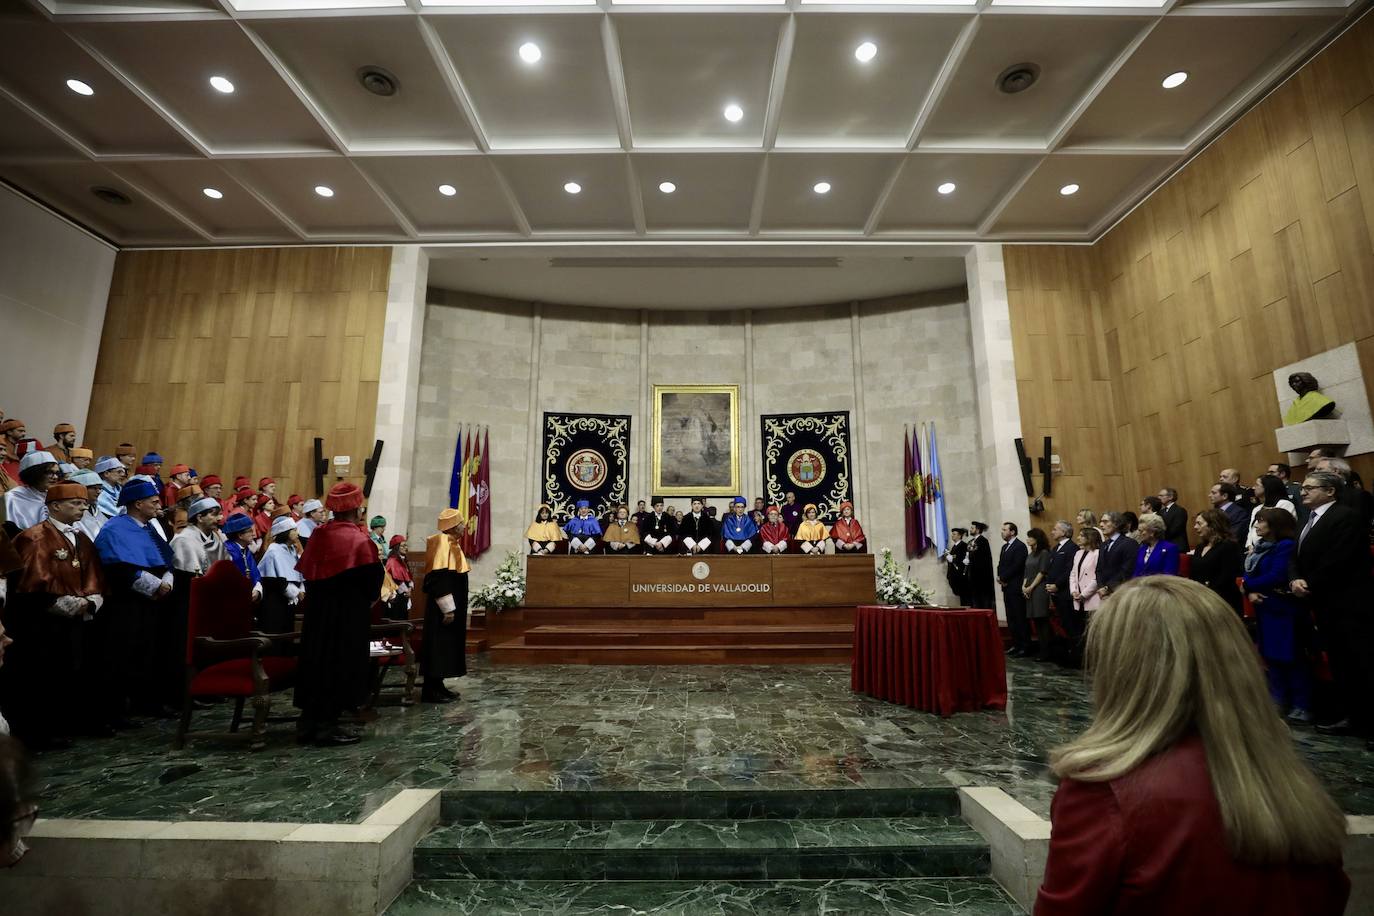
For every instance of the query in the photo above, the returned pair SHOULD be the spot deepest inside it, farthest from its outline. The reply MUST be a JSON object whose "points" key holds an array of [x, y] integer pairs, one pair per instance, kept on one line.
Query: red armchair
{"points": [[396, 636], [225, 657]]}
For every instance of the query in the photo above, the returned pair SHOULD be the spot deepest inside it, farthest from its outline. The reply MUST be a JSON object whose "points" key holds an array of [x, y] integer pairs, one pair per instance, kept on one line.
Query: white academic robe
{"points": [[25, 507]]}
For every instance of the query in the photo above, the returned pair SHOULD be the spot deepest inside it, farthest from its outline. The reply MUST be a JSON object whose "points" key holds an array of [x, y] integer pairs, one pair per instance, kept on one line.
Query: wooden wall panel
{"points": [[234, 360], [1256, 255]]}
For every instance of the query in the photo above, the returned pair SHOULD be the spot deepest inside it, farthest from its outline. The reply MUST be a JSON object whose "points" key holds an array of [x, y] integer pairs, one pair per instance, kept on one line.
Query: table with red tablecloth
{"points": [[940, 659]]}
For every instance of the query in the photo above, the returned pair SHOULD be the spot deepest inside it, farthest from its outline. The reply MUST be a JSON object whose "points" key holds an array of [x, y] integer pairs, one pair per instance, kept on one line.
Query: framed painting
{"points": [[696, 440]]}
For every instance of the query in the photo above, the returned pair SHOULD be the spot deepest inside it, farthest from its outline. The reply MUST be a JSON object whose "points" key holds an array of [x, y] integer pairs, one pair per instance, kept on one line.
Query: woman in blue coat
{"points": [[1283, 622], [1156, 556]]}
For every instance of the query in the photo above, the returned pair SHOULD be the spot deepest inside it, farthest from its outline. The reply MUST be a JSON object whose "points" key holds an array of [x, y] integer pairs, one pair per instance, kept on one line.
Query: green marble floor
{"points": [[616, 729]]}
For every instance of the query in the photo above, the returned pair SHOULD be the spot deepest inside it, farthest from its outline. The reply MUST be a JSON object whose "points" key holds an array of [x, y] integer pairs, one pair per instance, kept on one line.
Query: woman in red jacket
{"points": [[1185, 795]]}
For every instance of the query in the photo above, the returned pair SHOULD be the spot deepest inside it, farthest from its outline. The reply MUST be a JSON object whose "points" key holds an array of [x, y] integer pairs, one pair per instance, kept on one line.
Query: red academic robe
{"points": [[847, 531], [775, 533]]}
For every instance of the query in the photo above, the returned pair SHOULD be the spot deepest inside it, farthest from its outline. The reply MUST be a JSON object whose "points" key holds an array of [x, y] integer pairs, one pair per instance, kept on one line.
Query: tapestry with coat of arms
{"points": [[808, 454], [586, 456]]}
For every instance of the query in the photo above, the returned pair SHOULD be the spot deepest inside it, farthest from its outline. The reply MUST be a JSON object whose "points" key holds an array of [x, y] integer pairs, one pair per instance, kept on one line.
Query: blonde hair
{"points": [[1151, 522], [1167, 657]]}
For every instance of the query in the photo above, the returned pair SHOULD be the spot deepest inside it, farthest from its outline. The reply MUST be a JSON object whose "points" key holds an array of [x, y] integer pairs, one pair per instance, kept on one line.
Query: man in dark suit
{"points": [[1350, 496], [1285, 473], [979, 563], [1223, 498], [1244, 495], [1011, 575], [1116, 559], [659, 529], [1330, 569], [1057, 584], [1175, 519], [698, 532]]}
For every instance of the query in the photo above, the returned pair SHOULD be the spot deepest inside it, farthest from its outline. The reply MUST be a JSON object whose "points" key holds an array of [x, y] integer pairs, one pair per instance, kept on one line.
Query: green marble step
{"points": [[751, 849], [910, 897], [458, 805]]}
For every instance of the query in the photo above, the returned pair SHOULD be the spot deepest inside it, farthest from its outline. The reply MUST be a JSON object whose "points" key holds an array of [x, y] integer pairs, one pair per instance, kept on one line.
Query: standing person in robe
{"points": [[811, 533], [979, 563], [262, 515], [26, 505], [956, 573], [294, 502], [128, 456], [697, 530], [622, 535], [791, 512], [738, 532], [179, 476], [152, 466], [91, 520], [343, 579], [55, 595], [582, 530], [640, 514], [212, 486], [199, 545], [283, 586], [239, 535], [543, 534], [445, 582], [268, 487], [847, 534], [399, 571], [12, 430], [245, 503], [193, 546], [659, 529], [377, 531], [83, 458], [774, 533], [312, 516], [64, 440], [112, 476], [137, 563]]}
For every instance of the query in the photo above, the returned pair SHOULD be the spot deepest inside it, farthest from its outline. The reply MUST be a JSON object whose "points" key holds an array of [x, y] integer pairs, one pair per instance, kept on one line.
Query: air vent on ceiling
{"points": [[1018, 78], [378, 81], [111, 196], [694, 263]]}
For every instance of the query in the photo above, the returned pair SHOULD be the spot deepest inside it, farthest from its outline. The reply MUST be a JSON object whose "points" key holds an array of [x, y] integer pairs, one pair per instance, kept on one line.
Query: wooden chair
{"points": [[226, 657], [396, 635]]}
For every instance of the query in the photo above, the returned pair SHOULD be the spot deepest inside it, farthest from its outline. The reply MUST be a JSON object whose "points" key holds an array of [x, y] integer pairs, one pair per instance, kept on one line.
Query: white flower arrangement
{"points": [[895, 588], [506, 590]]}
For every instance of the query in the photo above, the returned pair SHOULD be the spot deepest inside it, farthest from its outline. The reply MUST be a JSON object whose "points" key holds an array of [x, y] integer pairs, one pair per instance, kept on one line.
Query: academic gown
{"points": [[980, 579], [444, 650], [738, 528], [131, 626], [398, 608], [280, 580], [24, 508], [776, 533], [659, 526], [956, 573], [697, 527], [791, 516], [848, 531], [343, 579]]}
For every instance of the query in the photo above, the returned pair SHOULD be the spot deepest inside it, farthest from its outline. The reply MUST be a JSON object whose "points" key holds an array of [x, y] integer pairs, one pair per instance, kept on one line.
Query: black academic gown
{"points": [[274, 613], [658, 526], [696, 529], [980, 580], [444, 651], [335, 668], [956, 573], [792, 517]]}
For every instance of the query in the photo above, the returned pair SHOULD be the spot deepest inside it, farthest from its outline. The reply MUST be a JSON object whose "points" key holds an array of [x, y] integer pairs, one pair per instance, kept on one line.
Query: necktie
{"points": [[1311, 519]]}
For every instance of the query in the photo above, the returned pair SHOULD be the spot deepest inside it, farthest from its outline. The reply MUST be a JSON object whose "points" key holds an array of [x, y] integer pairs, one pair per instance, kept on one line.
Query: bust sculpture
{"points": [[1311, 403]]}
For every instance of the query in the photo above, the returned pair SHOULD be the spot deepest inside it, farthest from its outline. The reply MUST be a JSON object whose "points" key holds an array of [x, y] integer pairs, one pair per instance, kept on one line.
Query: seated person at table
{"points": [[543, 534], [774, 533], [811, 534], [582, 529], [847, 534], [658, 529], [738, 531], [697, 530], [622, 535]]}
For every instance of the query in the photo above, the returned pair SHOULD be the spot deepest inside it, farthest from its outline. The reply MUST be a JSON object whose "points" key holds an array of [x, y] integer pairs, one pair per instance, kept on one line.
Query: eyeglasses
{"points": [[1307, 489]]}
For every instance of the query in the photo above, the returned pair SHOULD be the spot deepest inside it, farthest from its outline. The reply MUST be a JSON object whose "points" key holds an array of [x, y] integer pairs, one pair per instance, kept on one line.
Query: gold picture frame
{"points": [[689, 439]]}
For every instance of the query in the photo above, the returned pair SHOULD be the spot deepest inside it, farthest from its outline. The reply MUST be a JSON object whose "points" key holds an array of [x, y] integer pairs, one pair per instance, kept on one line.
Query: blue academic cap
{"points": [[739, 501], [583, 504], [136, 489], [152, 458], [236, 523]]}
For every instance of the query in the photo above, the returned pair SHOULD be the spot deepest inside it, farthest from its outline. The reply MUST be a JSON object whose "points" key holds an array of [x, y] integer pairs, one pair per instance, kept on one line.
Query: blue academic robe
{"points": [[579, 527], [738, 527], [244, 561]]}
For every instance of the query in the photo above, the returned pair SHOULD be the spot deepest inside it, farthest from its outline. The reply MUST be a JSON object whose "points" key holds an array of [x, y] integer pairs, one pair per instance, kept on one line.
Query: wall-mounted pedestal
{"points": [[1303, 437]]}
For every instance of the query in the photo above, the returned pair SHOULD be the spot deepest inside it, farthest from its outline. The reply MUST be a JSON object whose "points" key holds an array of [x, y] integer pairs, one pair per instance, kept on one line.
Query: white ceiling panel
{"points": [[182, 183], [561, 101], [37, 59], [856, 181], [1103, 183], [325, 55], [1071, 52], [603, 203], [681, 71], [288, 184], [916, 204], [711, 191], [412, 183], [834, 99], [67, 187], [1221, 55], [173, 63]]}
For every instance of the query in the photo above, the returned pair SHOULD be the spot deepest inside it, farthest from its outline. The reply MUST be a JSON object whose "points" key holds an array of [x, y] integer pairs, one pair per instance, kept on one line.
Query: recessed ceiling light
{"points": [[733, 112], [1174, 80], [324, 190], [573, 187], [1069, 189], [821, 187], [212, 193], [530, 53], [80, 88], [667, 187], [221, 84], [946, 188], [866, 52], [447, 190]]}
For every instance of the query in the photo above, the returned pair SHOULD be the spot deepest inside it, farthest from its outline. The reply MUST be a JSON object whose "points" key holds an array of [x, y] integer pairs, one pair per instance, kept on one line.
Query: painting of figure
{"points": [[696, 440]]}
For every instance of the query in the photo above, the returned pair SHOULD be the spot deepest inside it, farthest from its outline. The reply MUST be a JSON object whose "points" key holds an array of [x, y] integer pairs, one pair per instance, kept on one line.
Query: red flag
{"points": [[484, 496], [908, 472], [918, 490], [464, 494], [470, 539]]}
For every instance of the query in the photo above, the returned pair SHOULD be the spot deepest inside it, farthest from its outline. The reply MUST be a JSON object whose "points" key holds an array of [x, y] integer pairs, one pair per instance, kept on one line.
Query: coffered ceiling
{"points": [[722, 122]]}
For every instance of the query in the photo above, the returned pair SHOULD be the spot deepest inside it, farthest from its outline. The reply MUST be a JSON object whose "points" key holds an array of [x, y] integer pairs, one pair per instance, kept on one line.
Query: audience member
{"points": [[1223, 498], [1086, 518], [1216, 560], [1175, 519], [1011, 572], [1057, 582], [1294, 490], [1116, 560], [1284, 625], [1156, 556], [1352, 495], [1036, 566], [1185, 794], [1083, 578], [1242, 495], [1273, 495]]}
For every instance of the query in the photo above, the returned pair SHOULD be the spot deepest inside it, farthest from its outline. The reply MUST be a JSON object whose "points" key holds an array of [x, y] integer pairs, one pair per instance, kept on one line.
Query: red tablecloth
{"points": [[945, 661]]}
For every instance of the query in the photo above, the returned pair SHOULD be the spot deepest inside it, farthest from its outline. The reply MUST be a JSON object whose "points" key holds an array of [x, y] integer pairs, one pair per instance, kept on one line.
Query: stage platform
{"points": [[689, 610]]}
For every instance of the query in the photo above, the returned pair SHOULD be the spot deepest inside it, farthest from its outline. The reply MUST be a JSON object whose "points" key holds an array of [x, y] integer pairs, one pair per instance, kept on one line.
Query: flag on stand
{"points": [[939, 526], [456, 487], [484, 496], [918, 491], [469, 505], [909, 494]]}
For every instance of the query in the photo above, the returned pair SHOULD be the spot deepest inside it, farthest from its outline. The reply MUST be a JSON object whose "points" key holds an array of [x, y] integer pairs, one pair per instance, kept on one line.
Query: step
{"points": [[671, 850], [518, 652], [475, 644], [912, 896], [476, 805], [660, 634]]}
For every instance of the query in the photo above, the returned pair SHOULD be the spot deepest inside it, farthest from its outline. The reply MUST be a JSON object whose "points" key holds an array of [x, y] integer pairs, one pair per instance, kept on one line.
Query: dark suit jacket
{"points": [[1011, 563], [1061, 564], [1239, 517], [1116, 561], [1176, 526], [1359, 500], [1334, 559]]}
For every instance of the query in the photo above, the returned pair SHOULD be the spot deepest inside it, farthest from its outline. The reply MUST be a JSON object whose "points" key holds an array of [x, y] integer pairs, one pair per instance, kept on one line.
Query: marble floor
{"points": [[612, 728]]}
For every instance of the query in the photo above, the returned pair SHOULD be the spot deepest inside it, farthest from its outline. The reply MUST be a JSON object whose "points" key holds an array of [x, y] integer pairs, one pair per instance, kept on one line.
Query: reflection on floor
{"points": [[613, 728]]}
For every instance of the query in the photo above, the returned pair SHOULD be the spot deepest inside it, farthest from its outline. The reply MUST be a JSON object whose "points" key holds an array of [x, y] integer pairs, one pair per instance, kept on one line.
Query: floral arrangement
{"points": [[895, 588], [506, 590]]}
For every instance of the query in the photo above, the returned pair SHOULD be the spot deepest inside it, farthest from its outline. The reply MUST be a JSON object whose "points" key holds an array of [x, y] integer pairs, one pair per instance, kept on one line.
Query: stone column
{"points": [[999, 410], [399, 384]]}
